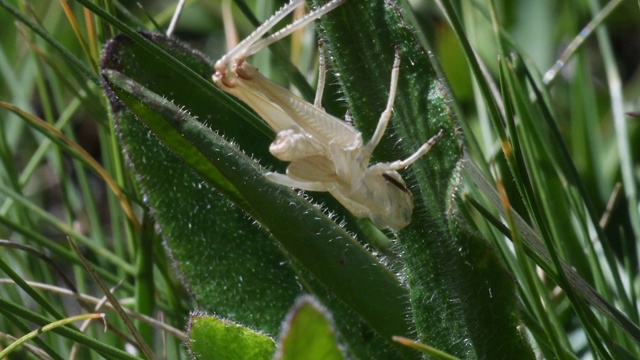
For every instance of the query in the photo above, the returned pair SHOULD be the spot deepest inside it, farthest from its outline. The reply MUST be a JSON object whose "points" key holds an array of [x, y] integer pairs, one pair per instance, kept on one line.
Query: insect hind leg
{"points": [[255, 42], [242, 50], [258, 43]]}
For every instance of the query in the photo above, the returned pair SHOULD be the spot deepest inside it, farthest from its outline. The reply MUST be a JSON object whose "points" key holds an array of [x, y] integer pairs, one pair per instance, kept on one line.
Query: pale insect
{"points": [[325, 153]]}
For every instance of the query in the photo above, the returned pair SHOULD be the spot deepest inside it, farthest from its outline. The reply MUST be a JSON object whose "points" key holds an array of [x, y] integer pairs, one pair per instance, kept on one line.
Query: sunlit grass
{"points": [[556, 152]]}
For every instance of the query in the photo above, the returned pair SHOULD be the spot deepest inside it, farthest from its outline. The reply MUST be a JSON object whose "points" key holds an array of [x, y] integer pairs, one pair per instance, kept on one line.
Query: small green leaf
{"points": [[217, 339], [308, 333]]}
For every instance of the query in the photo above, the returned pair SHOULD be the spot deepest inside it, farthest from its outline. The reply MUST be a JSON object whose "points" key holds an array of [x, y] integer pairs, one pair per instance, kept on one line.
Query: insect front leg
{"points": [[386, 114], [285, 180], [314, 173], [295, 144], [401, 164], [322, 75]]}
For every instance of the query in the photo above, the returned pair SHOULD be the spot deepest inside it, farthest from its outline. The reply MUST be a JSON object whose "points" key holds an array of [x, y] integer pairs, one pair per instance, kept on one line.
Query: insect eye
{"points": [[395, 182]]}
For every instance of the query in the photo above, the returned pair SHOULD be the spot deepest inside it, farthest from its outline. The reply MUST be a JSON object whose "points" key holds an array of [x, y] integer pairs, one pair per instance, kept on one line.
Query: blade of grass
{"points": [[144, 347], [9, 349], [79, 153], [7, 307], [42, 32]]}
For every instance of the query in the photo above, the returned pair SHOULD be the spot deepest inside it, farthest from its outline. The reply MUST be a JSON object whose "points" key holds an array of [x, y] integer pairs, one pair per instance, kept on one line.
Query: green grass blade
{"points": [[105, 350], [447, 265]]}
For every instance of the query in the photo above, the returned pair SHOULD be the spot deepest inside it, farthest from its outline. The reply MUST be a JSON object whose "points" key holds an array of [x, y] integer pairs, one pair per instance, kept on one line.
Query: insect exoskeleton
{"points": [[325, 153]]}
